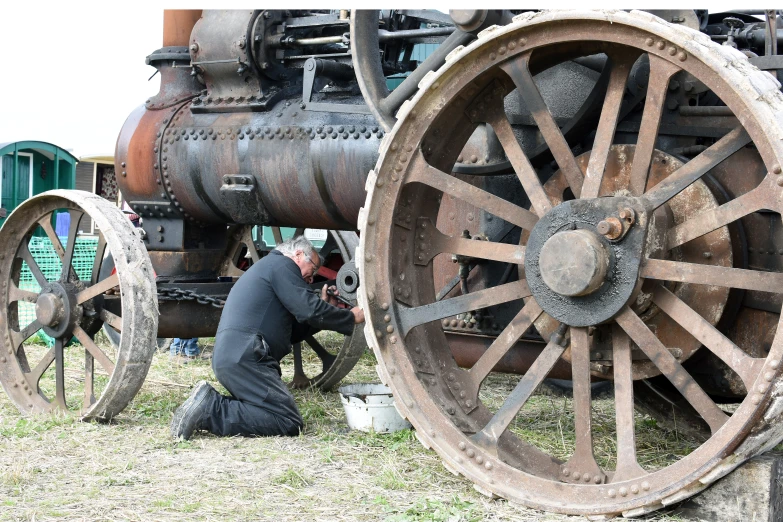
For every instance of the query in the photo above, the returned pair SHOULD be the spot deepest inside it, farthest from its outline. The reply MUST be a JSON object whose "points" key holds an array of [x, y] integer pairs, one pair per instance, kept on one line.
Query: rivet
{"points": [[623, 491], [774, 364], [512, 45], [384, 306], [368, 257], [392, 371], [378, 334], [488, 465], [586, 477], [390, 328], [661, 45], [2, 359], [776, 169], [597, 479], [502, 50], [649, 41], [29, 392], [462, 446], [634, 489], [646, 486], [763, 387], [566, 472], [612, 493], [479, 459], [122, 164], [387, 318], [575, 474], [756, 400], [769, 376], [492, 56], [682, 56], [470, 453], [672, 51], [780, 182], [393, 339], [522, 41]]}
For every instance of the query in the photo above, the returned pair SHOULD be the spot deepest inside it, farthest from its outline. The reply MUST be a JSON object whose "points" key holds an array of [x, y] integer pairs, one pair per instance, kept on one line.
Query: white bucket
{"points": [[370, 407]]}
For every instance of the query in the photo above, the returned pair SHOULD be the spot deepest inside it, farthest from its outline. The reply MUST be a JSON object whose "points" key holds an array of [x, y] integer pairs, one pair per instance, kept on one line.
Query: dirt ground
{"points": [[60, 468]]}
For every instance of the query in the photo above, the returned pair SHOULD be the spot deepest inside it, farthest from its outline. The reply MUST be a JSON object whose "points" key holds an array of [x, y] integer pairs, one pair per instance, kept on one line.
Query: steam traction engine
{"points": [[585, 195]]}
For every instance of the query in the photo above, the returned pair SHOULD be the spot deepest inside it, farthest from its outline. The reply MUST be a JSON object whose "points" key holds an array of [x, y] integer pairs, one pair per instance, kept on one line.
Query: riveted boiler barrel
{"points": [[286, 166]]}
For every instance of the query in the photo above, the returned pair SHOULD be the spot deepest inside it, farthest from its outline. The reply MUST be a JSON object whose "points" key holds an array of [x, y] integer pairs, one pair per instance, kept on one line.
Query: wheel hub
{"points": [[49, 309], [577, 275], [56, 308], [573, 262]]}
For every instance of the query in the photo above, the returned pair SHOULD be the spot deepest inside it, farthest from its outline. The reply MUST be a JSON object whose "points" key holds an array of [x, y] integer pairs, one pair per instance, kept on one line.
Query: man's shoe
{"points": [[187, 418]]}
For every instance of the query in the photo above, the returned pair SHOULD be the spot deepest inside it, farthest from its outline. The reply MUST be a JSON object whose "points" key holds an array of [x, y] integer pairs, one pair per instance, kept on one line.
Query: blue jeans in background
{"points": [[187, 347]]}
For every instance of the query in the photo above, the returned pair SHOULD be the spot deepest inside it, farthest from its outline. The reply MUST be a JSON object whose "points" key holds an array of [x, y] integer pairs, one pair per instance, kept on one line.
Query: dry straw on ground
{"points": [[60, 468]]}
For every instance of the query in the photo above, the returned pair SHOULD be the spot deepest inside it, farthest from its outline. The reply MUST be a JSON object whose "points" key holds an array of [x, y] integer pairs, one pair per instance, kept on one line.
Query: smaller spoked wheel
{"points": [[50, 284]]}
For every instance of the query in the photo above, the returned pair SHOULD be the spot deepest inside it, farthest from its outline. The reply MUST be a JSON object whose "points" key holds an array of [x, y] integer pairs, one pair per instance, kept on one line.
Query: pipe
{"points": [[385, 36], [177, 26], [468, 349]]}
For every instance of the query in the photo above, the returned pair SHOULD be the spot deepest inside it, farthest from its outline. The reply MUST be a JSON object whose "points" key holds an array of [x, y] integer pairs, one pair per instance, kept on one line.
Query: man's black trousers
{"points": [[260, 403]]}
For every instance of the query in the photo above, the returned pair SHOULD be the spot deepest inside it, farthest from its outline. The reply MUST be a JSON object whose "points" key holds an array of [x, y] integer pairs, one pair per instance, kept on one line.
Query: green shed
{"points": [[31, 167]]}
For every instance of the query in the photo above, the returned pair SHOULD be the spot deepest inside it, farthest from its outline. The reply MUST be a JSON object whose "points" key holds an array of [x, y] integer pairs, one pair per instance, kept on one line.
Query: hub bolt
{"points": [[610, 227]]}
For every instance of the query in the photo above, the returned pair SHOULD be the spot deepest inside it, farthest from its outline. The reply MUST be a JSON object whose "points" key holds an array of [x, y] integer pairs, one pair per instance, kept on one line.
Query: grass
{"points": [[56, 467]]}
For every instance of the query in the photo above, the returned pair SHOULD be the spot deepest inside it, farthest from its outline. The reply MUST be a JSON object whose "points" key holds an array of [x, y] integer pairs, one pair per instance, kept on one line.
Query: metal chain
{"points": [[178, 294]]}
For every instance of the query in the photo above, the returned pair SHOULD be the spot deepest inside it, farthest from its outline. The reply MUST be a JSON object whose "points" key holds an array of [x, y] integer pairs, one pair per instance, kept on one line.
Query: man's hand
{"points": [[330, 298], [358, 315]]}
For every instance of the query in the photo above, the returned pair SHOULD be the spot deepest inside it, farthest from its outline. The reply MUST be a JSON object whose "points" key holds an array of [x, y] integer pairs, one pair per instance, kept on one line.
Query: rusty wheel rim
{"points": [[399, 240], [67, 307]]}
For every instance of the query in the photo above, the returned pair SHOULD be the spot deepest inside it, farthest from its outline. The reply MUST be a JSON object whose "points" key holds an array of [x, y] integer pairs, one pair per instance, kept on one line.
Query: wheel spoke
{"points": [[98, 288], [660, 73], [705, 222], [24, 253], [17, 338], [518, 71], [582, 467], [59, 371], [488, 437], [317, 347], [415, 316], [113, 320], [76, 218], [744, 365], [712, 275], [100, 251], [89, 380], [683, 177], [627, 465], [525, 172], [277, 235], [94, 350], [46, 224], [17, 294], [607, 124], [431, 242], [504, 341], [430, 176], [671, 368], [35, 374]]}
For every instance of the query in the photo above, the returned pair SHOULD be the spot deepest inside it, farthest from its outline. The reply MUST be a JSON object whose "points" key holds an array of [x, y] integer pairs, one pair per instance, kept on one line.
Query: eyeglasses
{"points": [[317, 266]]}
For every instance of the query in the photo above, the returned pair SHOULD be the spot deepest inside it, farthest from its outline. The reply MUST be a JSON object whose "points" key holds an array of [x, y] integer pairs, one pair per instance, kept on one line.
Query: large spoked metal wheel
{"points": [[70, 302], [628, 263]]}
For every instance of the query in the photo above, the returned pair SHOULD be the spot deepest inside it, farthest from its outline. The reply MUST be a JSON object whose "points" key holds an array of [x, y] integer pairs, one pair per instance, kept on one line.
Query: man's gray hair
{"points": [[289, 247]]}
